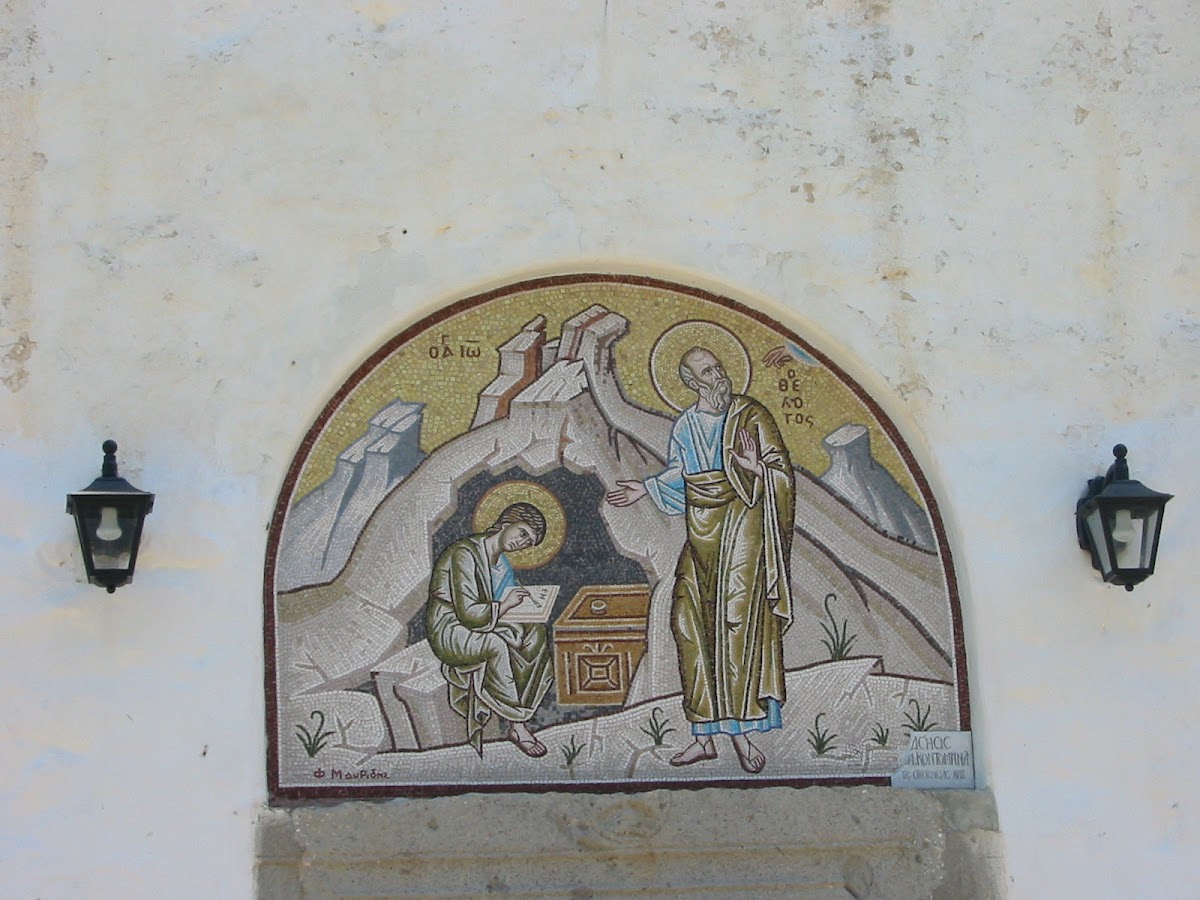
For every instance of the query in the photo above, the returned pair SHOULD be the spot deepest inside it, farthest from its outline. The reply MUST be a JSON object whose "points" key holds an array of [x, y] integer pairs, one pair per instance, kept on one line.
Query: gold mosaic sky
{"points": [[449, 386]]}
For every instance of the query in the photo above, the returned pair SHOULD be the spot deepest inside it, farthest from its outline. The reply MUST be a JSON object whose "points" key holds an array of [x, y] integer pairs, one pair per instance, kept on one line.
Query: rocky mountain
{"points": [[322, 527], [870, 489]]}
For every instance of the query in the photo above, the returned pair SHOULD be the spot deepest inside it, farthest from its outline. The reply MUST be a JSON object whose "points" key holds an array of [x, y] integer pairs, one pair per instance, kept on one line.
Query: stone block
{"points": [[861, 842]]}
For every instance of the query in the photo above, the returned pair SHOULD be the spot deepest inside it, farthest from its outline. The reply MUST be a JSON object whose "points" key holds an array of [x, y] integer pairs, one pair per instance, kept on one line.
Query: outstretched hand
{"points": [[746, 454], [626, 494]]}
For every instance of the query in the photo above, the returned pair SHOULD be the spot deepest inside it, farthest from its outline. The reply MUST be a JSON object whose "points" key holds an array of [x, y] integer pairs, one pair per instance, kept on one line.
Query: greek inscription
{"points": [[448, 348], [371, 774], [936, 759], [793, 402]]}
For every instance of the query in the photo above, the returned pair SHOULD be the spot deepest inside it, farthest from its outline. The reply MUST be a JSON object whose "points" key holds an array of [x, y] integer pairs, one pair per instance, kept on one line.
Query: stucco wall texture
{"points": [[987, 212]]}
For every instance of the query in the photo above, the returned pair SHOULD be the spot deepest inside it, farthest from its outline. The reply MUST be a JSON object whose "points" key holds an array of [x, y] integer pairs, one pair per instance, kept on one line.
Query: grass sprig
{"points": [[571, 752], [838, 640], [919, 722], [819, 738], [655, 729], [314, 740]]}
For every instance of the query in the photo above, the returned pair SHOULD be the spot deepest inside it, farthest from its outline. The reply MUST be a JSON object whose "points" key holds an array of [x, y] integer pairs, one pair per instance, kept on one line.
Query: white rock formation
{"points": [[870, 489], [322, 527]]}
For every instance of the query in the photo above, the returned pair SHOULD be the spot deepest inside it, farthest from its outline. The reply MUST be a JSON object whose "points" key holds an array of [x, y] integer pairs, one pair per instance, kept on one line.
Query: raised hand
{"points": [[746, 455], [627, 493]]}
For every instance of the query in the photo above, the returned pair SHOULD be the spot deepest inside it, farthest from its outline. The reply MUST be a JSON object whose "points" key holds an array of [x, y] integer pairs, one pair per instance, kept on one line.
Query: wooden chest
{"points": [[598, 642]]}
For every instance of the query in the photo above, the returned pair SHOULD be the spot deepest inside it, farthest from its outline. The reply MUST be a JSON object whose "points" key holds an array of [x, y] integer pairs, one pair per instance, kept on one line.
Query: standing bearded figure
{"points": [[728, 472]]}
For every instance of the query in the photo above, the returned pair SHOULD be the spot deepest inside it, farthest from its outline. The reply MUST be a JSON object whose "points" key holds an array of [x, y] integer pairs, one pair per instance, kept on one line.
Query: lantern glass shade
{"points": [[108, 518], [109, 530]]}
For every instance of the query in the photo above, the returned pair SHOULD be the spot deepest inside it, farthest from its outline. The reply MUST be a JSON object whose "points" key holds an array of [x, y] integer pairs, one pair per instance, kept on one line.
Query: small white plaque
{"points": [[937, 759]]}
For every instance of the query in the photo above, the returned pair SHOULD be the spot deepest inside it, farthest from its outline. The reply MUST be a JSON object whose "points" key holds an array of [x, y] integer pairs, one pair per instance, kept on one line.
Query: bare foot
{"points": [[519, 734], [751, 758], [700, 749]]}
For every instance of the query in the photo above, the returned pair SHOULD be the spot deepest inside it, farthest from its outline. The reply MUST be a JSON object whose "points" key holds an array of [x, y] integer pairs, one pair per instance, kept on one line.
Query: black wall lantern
{"points": [[1119, 521], [109, 514]]}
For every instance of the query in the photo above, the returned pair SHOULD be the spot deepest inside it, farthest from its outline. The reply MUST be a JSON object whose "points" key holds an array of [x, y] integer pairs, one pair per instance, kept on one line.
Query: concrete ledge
{"points": [[860, 842]]}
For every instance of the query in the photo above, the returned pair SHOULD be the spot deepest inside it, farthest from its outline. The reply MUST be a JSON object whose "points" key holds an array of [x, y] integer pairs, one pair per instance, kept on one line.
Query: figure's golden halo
{"points": [[678, 340], [502, 495]]}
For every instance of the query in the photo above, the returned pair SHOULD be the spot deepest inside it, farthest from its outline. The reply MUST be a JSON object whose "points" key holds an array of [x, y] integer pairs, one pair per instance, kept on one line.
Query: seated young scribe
{"points": [[490, 665]]}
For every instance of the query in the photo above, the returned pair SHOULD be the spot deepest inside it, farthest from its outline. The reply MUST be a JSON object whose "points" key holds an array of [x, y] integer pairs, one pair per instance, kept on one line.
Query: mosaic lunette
{"points": [[822, 624]]}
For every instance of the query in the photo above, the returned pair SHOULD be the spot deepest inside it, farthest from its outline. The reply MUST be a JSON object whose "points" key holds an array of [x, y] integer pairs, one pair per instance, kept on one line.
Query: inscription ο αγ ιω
{"points": [[448, 348]]}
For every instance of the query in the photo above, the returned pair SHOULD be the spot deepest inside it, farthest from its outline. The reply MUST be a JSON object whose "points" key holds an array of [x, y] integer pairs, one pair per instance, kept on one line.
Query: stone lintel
{"points": [[859, 842]]}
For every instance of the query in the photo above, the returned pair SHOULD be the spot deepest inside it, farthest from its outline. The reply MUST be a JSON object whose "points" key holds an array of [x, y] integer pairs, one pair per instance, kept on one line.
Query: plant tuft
{"points": [[314, 740], [819, 738], [571, 752], [838, 640], [655, 729], [919, 722]]}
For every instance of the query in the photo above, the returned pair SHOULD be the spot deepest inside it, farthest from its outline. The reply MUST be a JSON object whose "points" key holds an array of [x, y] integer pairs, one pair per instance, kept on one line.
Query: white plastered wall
{"points": [[987, 212]]}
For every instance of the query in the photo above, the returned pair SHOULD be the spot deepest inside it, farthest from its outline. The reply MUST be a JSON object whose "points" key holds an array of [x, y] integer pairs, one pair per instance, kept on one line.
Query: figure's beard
{"points": [[719, 395]]}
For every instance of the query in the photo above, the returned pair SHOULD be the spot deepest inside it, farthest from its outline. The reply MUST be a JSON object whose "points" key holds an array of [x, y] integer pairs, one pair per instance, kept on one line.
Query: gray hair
{"points": [[685, 371]]}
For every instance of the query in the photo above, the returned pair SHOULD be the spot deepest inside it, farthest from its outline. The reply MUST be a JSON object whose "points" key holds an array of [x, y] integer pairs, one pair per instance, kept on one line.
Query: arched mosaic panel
{"points": [[598, 532]]}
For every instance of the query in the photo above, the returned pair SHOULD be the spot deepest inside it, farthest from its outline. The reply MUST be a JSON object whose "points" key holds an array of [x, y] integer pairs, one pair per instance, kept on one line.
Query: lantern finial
{"points": [[1119, 470], [109, 467]]}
